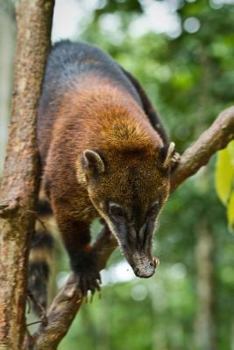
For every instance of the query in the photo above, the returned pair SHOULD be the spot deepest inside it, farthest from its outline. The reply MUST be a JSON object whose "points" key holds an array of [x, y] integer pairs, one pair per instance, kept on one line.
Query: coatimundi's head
{"points": [[128, 188]]}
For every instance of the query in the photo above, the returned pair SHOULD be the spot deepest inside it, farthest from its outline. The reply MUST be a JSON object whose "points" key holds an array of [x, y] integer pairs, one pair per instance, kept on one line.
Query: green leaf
{"points": [[224, 174], [230, 149], [230, 212]]}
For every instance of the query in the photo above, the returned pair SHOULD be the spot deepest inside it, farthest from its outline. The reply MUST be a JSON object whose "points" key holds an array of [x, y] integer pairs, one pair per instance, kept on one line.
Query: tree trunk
{"points": [[19, 185], [205, 319]]}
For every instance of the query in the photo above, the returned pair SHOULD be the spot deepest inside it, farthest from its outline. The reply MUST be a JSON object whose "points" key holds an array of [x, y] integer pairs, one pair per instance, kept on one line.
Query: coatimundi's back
{"points": [[104, 153]]}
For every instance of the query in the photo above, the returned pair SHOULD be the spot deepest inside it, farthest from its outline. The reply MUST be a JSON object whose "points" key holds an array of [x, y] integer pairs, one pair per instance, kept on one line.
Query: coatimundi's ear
{"points": [[167, 156], [92, 163]]}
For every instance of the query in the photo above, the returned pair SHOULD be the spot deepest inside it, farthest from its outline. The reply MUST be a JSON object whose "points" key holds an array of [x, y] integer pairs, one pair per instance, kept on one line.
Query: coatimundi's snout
{"points": [[128, 193], [135, 238]]}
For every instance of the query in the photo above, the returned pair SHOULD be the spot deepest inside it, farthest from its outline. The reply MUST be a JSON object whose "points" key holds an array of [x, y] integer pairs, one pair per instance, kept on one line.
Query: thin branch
{"points": [[68, 301], [219, 134]]}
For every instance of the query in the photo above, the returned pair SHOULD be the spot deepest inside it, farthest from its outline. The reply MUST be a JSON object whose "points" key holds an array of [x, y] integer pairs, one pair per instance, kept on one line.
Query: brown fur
{"points": [[105, 119]]}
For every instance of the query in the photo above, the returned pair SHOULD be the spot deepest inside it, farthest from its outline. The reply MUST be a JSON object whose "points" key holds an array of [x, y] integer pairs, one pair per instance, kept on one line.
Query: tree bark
{"points": [[220, 133], [19, 185]]}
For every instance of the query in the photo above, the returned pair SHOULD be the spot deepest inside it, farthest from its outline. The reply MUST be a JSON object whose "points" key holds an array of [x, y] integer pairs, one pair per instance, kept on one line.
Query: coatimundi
{"points": [[104, 153]]}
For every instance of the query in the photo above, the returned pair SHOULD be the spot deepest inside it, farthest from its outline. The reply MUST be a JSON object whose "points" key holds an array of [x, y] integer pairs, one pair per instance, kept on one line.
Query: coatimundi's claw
{"points": [[156, 261], [175, 160], [87, 275], [88, 282]]}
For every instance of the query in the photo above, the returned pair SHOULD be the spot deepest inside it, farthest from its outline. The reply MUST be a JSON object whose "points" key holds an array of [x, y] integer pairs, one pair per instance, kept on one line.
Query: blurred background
{"points": [[183, 54]]}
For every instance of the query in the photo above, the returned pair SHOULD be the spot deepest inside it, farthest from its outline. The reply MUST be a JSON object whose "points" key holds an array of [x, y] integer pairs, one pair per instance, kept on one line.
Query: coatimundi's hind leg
{"points": [[83, 259], [40, 260]]}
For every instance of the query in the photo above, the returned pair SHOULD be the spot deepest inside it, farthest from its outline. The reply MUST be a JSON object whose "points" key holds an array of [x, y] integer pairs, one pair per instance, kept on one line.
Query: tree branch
{"points": [[219, 134], [68, 301], [18, 190]]}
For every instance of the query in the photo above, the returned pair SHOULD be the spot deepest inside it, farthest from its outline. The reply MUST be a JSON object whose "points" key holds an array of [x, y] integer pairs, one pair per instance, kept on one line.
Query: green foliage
{"points": [[224, 180]]}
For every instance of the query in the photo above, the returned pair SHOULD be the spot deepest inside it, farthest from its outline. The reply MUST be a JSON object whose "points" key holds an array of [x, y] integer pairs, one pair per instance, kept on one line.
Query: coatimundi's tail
{"points": [[40, 260]]}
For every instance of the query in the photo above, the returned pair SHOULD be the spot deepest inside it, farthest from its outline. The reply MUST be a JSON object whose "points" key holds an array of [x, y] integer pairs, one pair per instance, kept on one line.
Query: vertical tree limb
{"points": [[20, 178], [205, 327]]}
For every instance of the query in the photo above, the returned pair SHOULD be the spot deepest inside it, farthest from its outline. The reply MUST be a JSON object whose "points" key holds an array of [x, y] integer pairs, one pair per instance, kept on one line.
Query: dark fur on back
{"points": [[67, 64]]}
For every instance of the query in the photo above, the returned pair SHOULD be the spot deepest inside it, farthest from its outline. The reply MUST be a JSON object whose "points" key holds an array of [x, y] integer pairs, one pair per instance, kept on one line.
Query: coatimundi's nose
{"points": [[145, 270]]}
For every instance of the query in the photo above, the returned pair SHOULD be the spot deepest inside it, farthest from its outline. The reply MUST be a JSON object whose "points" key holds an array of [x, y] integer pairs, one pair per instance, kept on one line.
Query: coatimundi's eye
{"points": [[154, 209], [116, 211]]}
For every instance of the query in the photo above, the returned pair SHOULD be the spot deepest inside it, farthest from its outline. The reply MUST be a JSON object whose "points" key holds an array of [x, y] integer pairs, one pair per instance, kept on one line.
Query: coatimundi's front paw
{"points": [[84, 266]]}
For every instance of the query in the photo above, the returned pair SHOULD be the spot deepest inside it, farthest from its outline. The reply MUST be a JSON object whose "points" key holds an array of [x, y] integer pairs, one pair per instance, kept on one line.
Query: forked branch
{"points": [[68, 301]]}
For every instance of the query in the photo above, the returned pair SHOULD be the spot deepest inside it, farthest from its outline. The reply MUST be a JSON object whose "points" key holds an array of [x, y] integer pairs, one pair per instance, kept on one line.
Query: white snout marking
{"points": [[143, 266]]}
